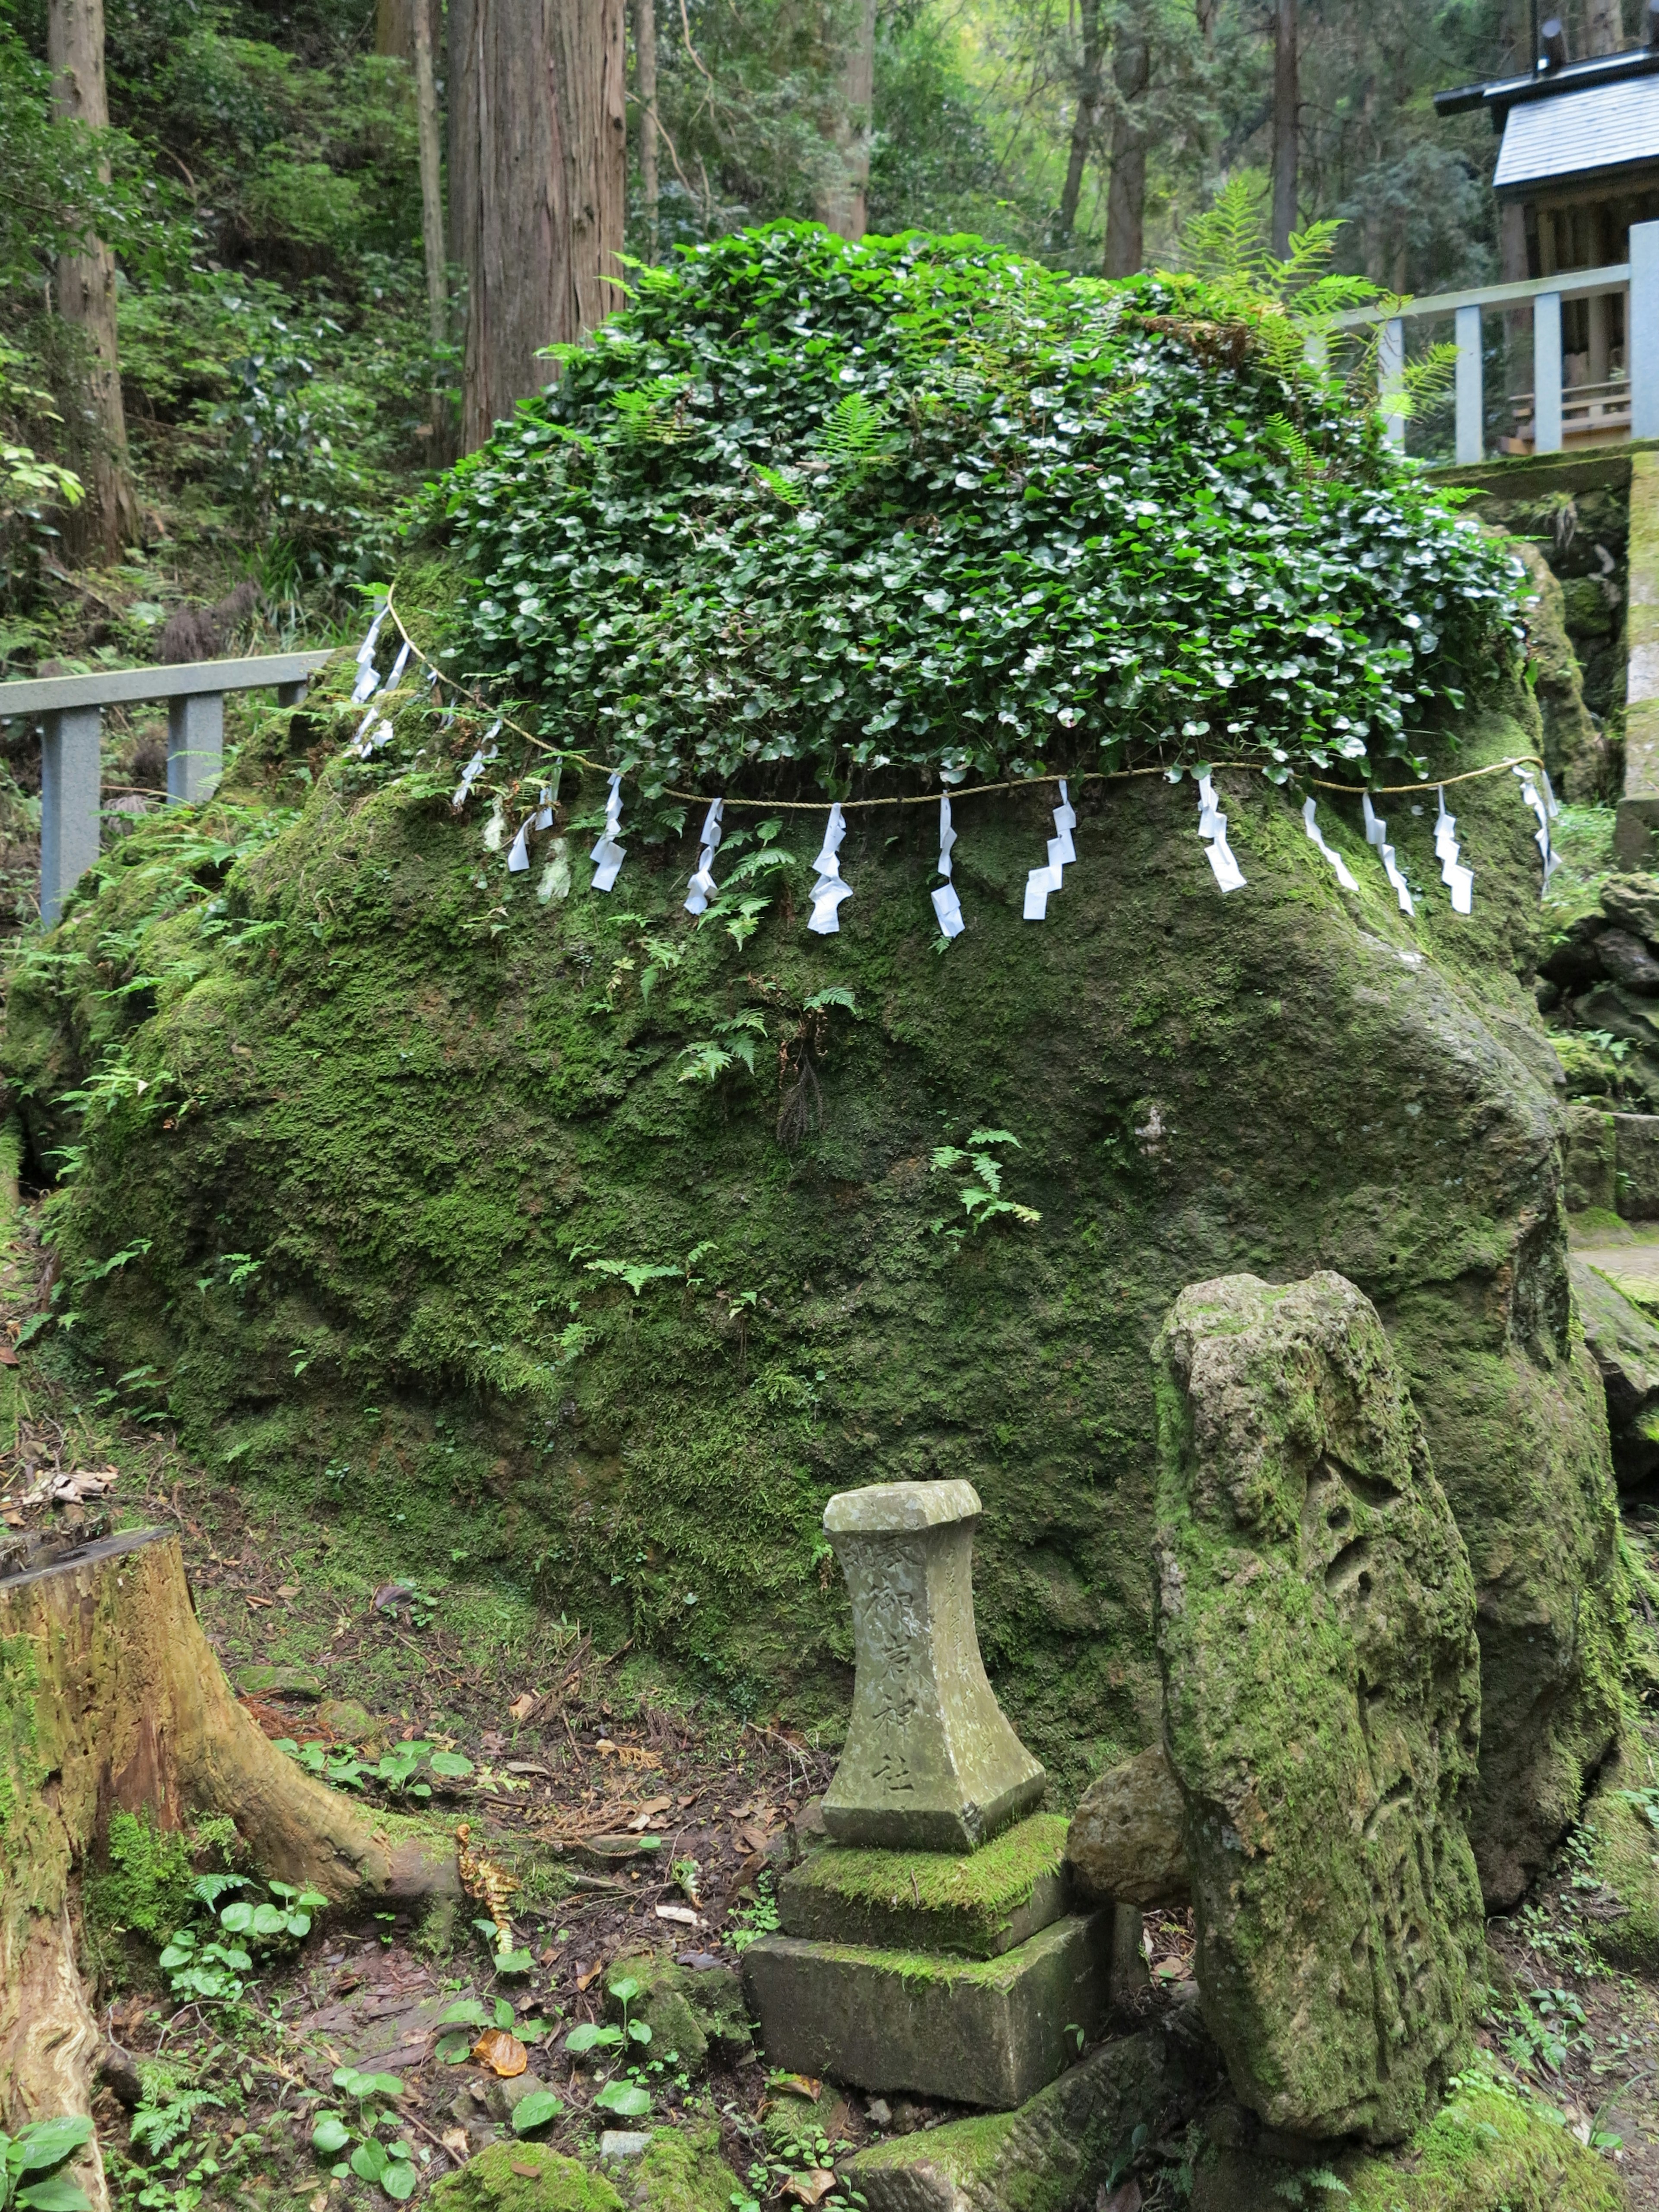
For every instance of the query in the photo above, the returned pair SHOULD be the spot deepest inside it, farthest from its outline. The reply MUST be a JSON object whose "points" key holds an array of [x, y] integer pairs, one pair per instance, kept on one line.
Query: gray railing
{"points": [[1626, 407], [70, 707]]}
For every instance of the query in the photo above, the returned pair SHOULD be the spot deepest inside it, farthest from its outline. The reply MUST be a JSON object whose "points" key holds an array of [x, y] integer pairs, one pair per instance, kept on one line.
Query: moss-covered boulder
{"points": [[1316, 1631], [689, 2009], [524, 2177], [1621, 1839], [681, 2169], [1125, 1841], [372, 1113]]}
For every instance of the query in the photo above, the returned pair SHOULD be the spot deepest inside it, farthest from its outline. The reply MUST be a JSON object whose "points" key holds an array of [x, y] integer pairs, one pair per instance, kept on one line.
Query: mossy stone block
{"points": [[981, 1902], [1316, 1624], [687, 2008], [681, 2169], [524, 2177], [980, 2031], [270, 1681], [1620, 1831]]}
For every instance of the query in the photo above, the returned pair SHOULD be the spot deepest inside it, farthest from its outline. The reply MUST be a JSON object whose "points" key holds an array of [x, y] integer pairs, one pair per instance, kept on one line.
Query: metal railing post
{"points": [[71, 786], [1391, 375], [1546, 373], [1642, 331], [196, 745], [1470, 397]]}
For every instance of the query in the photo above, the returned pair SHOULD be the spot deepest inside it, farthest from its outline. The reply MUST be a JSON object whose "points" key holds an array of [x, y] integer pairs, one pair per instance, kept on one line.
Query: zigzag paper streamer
{"points": [[1541, 836], [607, 854], [474, 768], [1458, 879], [368, 681], [1213, 827], [946, 905], [1316, 837], [830, 889], [544, 807], [518, 856], [703, 886], [1376, 831], [1050, 877]]}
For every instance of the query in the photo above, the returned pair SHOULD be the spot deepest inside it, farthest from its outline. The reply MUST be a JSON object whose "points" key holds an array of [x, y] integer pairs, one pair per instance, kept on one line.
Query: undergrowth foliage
{"points": [[920, 503]]}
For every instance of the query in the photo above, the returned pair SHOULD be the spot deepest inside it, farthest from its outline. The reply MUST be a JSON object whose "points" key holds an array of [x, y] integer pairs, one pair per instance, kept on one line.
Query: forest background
{"points": [[283, 357]]}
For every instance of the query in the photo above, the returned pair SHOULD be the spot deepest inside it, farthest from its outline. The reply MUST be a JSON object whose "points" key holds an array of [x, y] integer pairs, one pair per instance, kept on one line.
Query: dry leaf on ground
{"points": [[1126, 2199], [501, 2053], [681, 1915], [454, 2141], [521, 1708], [810, 2187], [586, 1976], [798, 2084]]}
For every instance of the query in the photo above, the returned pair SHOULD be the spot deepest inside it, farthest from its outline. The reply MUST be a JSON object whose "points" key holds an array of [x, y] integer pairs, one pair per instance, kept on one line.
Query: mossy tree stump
{"points": [[111, 1698]]}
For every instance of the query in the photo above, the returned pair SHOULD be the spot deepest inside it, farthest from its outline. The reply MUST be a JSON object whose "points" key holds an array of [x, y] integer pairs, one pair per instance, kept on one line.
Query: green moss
{"points": [[682, 2170], [929, 1899], [1485, 2151], [962, 2150], [686, 2010], [524, 2177], [1621, 1830], [20, 1773], [146, 1886]]}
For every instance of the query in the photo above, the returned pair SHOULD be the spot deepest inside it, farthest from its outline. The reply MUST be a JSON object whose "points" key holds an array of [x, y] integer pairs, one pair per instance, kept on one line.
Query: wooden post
{"points": [[196, 746], [71, 785], [1546, 373], [1471, 403]]}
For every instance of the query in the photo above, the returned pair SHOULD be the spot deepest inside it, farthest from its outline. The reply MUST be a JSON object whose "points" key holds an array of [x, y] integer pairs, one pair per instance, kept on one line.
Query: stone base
{"points": [[1057, 2149], [979, 2031], [978, 1903]]}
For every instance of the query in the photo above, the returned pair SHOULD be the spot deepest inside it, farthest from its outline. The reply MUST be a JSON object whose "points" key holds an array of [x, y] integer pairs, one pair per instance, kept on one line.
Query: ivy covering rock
{"points": [[922, 503]]}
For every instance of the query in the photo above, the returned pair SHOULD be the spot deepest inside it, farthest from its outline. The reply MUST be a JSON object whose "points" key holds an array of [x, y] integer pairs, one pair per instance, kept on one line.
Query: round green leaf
{"points": [[535, 2111], [269, 1920], [640, 2030], [383, 2085], [454, 2050], [237, 1918], [398, 2180], [368, 2162], [624, 2096], [582, 2037], [451, 1764], [467, 2012], [513, 1962], [331, 2136], [625, 1989]]}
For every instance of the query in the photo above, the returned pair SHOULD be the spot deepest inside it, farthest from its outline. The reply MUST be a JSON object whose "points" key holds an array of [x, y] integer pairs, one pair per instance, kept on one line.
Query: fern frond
{"points": [[857, 437]]}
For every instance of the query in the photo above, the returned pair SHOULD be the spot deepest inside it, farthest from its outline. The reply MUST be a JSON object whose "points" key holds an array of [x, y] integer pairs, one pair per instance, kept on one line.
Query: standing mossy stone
{"points": [[1624, 1342], [681, 2169], [930, 1763], [524, 2177], [1316, 1631], [687, 2008], [1125, 1840], [980, 1903], [1621, 1840]]}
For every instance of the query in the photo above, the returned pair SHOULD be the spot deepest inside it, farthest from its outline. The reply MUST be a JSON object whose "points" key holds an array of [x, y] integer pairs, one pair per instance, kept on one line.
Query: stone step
{"points": [[979, 1903]]}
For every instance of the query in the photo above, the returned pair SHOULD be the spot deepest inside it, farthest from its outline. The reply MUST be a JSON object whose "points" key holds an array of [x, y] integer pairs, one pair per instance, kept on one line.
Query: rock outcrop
{"points": [[1317, 1633], [1124, 1841], [1624, 1342]]}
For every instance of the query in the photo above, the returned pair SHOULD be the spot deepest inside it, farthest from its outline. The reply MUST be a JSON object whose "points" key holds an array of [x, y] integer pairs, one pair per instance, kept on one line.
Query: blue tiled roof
{"points": [[1603, 127]]}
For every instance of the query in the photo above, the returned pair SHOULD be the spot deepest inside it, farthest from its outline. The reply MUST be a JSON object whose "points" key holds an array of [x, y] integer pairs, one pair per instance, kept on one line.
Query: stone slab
{"points": [[931, 1761], [980, 2031], [1057, 2149], [1637, 1138], [979, 1903]]}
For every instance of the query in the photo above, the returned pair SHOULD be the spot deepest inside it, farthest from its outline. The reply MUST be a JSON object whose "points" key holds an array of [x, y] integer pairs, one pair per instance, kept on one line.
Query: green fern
{"points": [[156, 2128], [653, 411], [858, 437]]}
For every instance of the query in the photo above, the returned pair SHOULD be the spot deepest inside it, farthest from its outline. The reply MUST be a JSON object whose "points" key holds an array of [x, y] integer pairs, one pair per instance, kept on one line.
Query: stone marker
{"points": [[1124, 1840], [977, 2031], [931, 1762], [1321, 1704]]}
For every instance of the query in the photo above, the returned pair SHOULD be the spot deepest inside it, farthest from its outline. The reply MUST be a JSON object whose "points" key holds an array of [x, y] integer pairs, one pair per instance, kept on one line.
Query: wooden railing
{"points": [[1558, 411], [71, 710]]}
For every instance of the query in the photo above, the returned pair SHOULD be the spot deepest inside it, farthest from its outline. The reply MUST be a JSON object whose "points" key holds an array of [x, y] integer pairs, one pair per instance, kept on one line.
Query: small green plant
{"points": [[1544, 2025], [358, 2147], [631, 2100], [471, 2013], [750, 1922], [31, 2166], [1294, 2188], [203, 1970], [977, 1174]]}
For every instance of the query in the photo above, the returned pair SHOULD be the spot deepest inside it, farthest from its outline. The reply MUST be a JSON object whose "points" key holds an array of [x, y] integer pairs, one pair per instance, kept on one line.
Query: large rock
{"points": [[1624, 1342], [1125, 1841], [1316, 1629], [425, 1101]]}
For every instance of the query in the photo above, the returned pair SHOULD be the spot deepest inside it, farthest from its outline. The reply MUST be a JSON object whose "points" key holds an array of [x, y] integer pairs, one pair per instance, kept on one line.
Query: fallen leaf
{"points": [[390, 1595], [647, 1813], [550, 1954], [288, 1589], [1124, 2199], [681, 1915], [260, 1604], [798, 2084], [84, 1482], [810, 2187], [8, 1356], [521, 1708], [493, 1741], [501, 2053], [754, 1838], [584, 1975], [525, 2173], [454, 2141], [319, 2202]]}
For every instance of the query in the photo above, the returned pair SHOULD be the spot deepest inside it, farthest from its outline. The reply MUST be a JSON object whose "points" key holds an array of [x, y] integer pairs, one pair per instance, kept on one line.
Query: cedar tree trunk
{"points": [[645, 93], [842, 206], [1287, 111], [1085, 124], [538, 186], [108, 516], [1126, 200]]}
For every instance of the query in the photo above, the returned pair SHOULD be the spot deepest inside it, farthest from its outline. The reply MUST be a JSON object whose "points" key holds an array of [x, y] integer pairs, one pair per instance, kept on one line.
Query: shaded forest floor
{"points": [[629, 1817]]}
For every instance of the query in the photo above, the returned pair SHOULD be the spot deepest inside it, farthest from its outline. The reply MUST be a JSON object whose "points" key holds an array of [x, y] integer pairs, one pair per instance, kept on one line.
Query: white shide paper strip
{"points": [[1458, 879], [474, 768], [1061, 853], [946, 905], [703, 886], [1542, 834], [517, 853], [607, 854], [1377, 834], [1316, 837], [368, 681], [1213, 827], [830, 889], [374, 731]]}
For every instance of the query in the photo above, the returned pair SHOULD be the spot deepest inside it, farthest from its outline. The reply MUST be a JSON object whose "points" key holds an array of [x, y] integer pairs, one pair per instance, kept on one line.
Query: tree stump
{"points": [[111, 1698]]}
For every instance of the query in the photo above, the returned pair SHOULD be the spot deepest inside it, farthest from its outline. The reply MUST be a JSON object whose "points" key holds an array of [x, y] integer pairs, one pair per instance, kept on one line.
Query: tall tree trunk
{"points": [[394, 29], [1287, 116], [842, 206], [108, 516], [1086, 123], [538, 186], [1604, 28], [1208, 10], [1126, 201], [644, 94], [432, 195]]}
